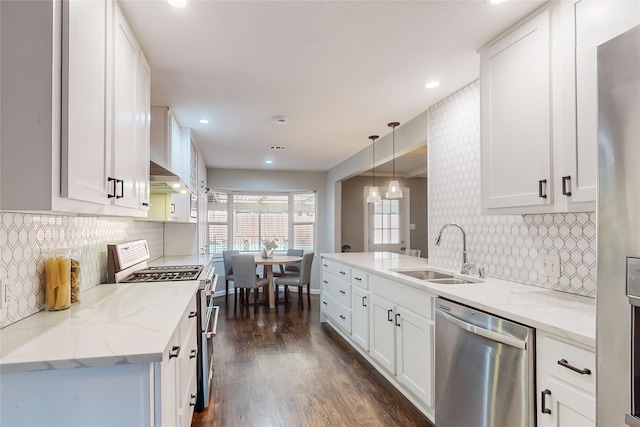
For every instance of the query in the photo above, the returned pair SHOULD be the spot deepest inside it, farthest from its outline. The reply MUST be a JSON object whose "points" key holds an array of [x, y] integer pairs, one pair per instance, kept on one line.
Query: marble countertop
{"points": [[563, 314], [123, 323]]}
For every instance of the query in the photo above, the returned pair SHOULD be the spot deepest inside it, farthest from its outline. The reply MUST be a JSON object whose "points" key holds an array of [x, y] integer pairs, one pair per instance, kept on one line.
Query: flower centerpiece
{"points": [[267, 248]]}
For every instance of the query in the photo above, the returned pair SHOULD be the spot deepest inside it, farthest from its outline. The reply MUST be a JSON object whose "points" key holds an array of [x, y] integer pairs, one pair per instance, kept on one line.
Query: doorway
{"points": [[387, 224]]}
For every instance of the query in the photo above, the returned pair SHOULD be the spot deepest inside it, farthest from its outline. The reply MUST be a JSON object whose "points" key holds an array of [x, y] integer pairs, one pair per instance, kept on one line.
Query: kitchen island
{"points": [[113, 359], [390, 319]]}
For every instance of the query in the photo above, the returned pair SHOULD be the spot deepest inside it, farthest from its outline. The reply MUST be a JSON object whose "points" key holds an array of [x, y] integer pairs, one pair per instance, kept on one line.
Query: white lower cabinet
{"points": [[566, 383], [388, 322]]}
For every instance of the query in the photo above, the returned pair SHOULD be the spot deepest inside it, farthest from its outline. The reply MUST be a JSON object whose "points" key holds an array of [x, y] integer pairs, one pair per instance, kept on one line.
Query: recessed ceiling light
{"points": [[277, 147], [269, 162], [281, 120], [496, 1], [431, 85], [178, 3], [204, 121]]}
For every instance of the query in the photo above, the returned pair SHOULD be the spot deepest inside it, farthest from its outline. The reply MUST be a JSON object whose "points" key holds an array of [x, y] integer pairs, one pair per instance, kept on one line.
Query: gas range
{"points": [[168, 273]]}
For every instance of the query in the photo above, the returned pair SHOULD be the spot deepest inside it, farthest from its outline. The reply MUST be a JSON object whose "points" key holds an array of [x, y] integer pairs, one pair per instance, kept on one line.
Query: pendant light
{"points": [[374, 194], [394, 191]]}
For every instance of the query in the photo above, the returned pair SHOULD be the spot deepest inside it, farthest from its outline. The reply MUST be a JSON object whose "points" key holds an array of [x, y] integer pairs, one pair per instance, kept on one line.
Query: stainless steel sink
{"points": [[427, 275], [449, 281]]}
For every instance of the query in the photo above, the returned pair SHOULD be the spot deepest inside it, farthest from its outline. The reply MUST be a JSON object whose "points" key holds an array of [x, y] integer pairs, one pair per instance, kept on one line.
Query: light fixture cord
{"points": [[373, 161], [394, 153]]}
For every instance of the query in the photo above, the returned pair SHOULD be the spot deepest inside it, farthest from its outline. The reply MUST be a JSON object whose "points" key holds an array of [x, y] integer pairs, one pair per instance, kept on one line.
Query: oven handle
{"points": [[212, 333], [210, 287]]}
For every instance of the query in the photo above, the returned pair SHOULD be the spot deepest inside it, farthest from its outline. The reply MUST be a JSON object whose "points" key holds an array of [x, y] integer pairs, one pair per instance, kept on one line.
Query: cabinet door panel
{"points": [[125, 150], [143, 133], [382, 335], [570, 406], [360, 317], [86, 154], [414, 355], [516, 117]]}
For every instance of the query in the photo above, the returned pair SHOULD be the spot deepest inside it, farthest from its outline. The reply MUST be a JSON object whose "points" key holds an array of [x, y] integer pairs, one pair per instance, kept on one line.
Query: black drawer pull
{"points": [[389, 315], [192, 314], [585, 371], [324, 302], [565, 180], [325, 265], [193, 353], [542, 402], [192, 400], [364, 301], [343, 272], [324, 281], [342, 317], [540, 185], [358, 279], [397, 316], [343, 292]]}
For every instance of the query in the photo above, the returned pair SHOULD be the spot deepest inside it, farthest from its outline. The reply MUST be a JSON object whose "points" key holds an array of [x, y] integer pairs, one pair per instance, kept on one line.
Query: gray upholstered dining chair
{"points": [[245, 277], [293, 269], [228, 271], [413, 252], [304, 278]]}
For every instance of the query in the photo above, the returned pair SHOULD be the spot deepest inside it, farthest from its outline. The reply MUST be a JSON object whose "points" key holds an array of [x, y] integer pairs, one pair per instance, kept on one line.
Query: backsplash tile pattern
{"points": [[507, 246], [25, 236]]}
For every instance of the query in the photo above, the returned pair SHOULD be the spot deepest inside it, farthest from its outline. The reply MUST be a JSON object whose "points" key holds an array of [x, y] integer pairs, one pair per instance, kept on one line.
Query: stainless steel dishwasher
{"points": [[484, 369]]}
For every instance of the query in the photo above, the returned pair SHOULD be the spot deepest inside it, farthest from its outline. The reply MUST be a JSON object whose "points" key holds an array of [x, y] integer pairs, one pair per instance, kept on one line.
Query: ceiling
{"points": [[338, 71]]}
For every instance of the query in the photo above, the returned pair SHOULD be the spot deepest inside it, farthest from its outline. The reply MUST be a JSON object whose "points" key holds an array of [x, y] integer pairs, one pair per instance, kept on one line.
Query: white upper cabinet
{"points": [[202, 171], [70, 135], [595, 23], [143, 130], [168, 147], [539, 108], [516, 117]]}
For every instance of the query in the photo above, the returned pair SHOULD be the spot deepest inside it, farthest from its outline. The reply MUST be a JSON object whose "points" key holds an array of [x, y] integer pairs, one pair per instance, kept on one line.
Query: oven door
{"points": [[209, 330]]}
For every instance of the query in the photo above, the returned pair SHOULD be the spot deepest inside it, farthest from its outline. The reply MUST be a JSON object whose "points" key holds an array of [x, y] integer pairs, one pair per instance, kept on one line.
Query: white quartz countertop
{"points": [[560, 313], [124, 323]]}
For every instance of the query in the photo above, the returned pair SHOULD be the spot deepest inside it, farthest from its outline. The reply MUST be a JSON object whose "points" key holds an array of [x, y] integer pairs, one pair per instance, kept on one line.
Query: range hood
{"points": [[164, 181]]}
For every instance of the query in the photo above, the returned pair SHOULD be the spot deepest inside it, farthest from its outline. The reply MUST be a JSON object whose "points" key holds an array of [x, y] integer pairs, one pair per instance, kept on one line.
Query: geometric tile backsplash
{"points": [[25, 236], [507, 246]]}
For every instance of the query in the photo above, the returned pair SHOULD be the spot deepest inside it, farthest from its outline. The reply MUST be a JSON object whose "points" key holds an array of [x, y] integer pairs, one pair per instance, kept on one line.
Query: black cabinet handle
{"points": [[193, 400], [145, 204], [343, 292], [175, 351], [193, 353], [364, 301], [541, 183], [389, 315], [343, 272], [342, 317], [325, 265], [192, 314], [325, 303], [121, 182], [563, 362], [358, 279], [565, 180], [112, 195], [397, 316], [173, 208], [543, 405], [324, 281]]}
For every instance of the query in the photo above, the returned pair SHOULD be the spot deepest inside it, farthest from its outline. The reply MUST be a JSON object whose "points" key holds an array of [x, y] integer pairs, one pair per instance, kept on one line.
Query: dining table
{"points": [[268, 264]]}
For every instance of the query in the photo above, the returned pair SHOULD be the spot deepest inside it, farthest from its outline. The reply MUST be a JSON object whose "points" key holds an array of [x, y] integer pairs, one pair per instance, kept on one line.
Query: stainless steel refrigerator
{"points": [[618, 218]]}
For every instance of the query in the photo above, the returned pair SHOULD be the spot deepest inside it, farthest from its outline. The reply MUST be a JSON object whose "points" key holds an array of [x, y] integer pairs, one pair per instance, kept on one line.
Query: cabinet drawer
{"points": [[189, 320], [412, 299], [336, 268], [360, 278], [337, 312], [185, 413], [552, 354], [339, 289], [187, 363]]}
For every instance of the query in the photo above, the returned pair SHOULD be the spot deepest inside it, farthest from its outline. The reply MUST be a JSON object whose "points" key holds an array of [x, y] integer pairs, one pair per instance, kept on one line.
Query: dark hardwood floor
{"points": [[283, 367]]}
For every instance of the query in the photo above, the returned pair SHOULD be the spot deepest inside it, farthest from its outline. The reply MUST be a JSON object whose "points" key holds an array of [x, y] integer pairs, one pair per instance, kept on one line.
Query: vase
{"points": [[267, 253]]}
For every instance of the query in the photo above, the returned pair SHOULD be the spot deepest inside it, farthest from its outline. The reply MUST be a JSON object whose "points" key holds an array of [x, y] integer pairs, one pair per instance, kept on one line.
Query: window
{"points": [[386, 221], [243, 221]]}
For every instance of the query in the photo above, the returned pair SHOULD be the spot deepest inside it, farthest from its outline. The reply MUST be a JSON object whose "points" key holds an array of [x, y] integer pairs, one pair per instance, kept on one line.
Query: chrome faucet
{"points": [[466, 267]]}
